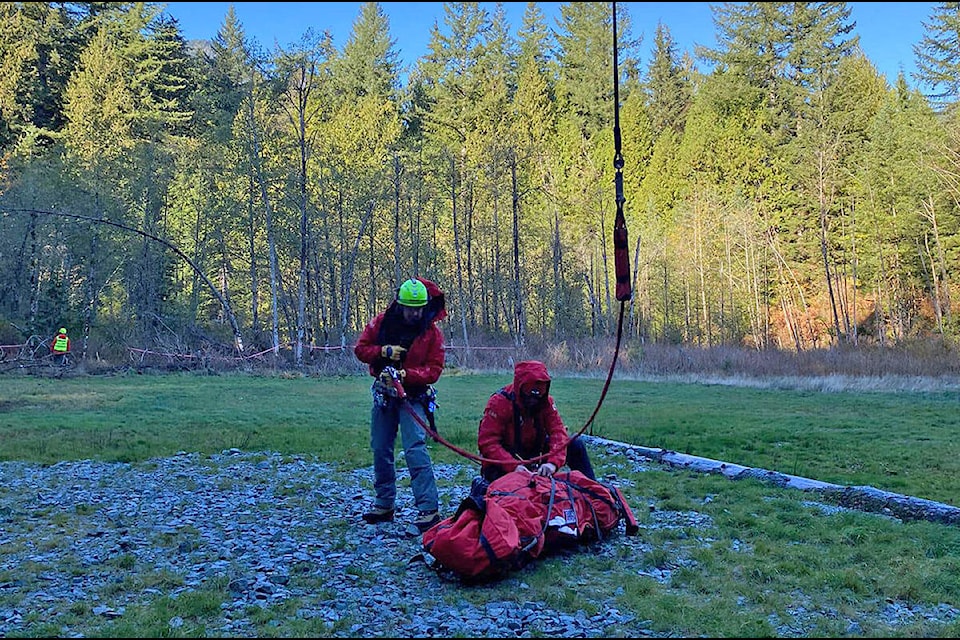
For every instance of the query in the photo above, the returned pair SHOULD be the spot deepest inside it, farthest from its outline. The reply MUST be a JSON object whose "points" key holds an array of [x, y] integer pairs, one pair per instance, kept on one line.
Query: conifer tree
{"points": [[40, 43], [938, 56], [667, 86]]}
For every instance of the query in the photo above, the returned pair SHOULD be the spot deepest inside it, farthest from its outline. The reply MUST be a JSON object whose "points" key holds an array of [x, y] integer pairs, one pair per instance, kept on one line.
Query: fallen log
{"points": [[861, 498]]}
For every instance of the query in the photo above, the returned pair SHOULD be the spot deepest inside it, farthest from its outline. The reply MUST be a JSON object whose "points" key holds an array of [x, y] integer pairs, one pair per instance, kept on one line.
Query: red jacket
{"points": [[424, 358], [504, 416]]}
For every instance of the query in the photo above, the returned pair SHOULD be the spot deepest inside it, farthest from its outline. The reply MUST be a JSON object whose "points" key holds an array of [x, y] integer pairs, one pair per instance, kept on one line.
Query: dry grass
{"points": [[916, 366]]}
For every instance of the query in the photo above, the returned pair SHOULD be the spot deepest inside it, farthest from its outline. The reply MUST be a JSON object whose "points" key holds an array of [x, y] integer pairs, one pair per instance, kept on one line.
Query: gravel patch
{"points": [[93, 538], [71, 532]]}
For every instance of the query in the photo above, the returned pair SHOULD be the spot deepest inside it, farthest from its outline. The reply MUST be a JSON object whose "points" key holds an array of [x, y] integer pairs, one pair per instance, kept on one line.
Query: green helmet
{"points": [[62, 330], [413, 293]]}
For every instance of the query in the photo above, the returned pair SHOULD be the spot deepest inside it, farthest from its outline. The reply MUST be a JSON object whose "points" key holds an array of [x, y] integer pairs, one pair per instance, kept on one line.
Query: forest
{"points": [[181, 196]]}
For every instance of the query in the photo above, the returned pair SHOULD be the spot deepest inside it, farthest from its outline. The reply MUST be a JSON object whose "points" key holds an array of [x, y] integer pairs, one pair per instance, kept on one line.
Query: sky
{"points": [[888, 30]]}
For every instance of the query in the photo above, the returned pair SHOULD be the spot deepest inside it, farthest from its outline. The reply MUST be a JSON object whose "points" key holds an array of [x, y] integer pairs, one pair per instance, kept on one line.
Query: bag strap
{"points": [[546, 519], [630, 521]]}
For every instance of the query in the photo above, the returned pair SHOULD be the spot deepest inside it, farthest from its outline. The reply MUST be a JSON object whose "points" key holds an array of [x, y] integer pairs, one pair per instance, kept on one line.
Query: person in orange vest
{"points": [[60, 346]]}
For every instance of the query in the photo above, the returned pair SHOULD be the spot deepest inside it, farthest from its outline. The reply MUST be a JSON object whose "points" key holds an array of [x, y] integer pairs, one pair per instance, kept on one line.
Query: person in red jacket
{"points": [[521, 422], [404, 344]]}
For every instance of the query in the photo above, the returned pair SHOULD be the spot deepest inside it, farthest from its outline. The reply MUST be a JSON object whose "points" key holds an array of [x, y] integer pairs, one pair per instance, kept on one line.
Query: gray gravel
{"points": [[272, 528], [254, 520]]}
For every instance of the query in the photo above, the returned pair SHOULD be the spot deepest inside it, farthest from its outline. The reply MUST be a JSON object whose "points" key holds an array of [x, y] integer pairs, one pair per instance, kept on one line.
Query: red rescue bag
{"points": [[521, 516]]}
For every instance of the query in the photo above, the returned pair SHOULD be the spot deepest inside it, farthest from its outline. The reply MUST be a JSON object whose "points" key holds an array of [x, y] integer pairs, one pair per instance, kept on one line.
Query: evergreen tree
{"points": [[784, 50], [370, 62], [817, 33], [668, 86], [585, 61], [938, 54], [40, 43], [161, 78], [227, 74]]}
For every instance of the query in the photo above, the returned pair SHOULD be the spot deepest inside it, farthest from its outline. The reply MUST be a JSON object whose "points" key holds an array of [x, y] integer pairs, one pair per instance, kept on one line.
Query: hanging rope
{"points": [[623, 290], [401, 395], [621, 257]]}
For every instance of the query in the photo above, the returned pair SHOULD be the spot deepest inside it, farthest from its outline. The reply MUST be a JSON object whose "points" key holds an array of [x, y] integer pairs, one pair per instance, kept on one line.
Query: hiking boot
{"points": [[378, 514], [426, 519]]}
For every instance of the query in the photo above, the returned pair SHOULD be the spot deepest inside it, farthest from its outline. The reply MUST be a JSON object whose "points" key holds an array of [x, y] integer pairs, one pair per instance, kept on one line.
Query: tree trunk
{"points": [[519, 322], [397, 272], [271, 242], [252, 248], [558, 293], [461, 295], [824, 252], [348, 277]]}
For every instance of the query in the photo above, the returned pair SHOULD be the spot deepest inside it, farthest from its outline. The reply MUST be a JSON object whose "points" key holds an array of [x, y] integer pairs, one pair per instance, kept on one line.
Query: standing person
{"points": [[521, 422], [404, 343], [60, 346]]}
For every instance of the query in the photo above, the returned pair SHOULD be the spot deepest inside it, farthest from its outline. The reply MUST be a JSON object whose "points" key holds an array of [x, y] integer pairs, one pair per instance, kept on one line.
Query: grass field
{"points": [[903, 442], [763, 555]]}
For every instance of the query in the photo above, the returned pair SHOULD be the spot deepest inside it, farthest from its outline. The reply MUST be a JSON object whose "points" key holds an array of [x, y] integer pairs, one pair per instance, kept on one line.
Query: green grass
{"points": [[714, 558], [904, 442], [757, 558]]}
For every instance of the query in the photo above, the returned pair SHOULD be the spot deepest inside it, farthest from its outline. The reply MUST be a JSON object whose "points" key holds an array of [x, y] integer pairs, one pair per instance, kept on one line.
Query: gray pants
{"points": [[385, 420]]}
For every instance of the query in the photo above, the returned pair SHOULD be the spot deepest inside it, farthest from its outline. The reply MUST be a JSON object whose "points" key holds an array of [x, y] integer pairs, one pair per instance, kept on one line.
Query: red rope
{"points": [[477, 458], [623, 288]]}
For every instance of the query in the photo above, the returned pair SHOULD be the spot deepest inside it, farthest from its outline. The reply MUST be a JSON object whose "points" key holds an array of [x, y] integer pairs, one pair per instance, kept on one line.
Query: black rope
{"points": [[621, 261], [620, 247]]}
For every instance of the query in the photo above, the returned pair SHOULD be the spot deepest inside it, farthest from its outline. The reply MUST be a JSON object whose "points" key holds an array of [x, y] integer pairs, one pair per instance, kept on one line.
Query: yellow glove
{"points": [[392, 351]]}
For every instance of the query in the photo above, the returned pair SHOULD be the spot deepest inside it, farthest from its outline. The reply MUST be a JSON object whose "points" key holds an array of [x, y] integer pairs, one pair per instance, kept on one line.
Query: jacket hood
{"points": [[527, 372], [437, 306]]}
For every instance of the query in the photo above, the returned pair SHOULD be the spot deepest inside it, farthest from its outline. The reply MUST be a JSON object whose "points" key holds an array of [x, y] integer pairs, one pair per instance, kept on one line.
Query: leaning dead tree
{"points": [[237, 338]]}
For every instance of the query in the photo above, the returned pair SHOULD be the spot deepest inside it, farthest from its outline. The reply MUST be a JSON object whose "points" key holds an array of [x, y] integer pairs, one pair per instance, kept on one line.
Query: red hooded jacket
{"points": [[424, 358], [505, 416]]}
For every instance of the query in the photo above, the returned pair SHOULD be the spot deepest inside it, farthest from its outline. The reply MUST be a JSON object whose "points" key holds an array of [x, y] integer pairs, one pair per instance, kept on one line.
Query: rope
{"points": [[621, 254], [401, 394], [624, 293]]}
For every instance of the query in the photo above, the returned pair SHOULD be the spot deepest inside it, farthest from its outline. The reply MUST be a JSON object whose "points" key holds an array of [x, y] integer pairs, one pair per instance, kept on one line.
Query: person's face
{"points": [[412, 315], [535, 395]]}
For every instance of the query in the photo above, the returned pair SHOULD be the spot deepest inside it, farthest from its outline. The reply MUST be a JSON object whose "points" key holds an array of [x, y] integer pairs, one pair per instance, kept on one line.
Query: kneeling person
{"points": [[521, 422]]}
